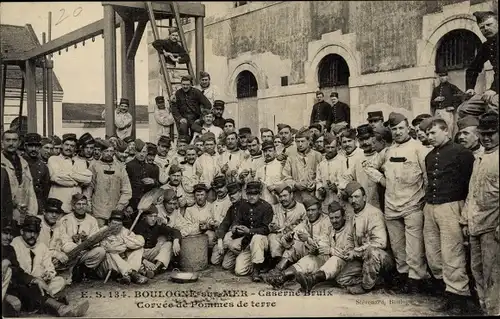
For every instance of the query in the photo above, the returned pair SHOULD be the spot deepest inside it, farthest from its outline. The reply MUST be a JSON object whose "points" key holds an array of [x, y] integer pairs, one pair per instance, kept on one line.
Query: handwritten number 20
{"points": [[64, 15]]}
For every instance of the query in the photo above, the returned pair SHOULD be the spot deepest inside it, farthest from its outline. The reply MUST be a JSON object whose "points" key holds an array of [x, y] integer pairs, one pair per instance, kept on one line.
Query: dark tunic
{"points": [[320, 112], [453, 96], [172, 47], [449, 169], [256, 217], [136, 172], [188, 105], [152, 233], [487, 52], [7, 201], [340, 112], [228, 220], [41, 180]]}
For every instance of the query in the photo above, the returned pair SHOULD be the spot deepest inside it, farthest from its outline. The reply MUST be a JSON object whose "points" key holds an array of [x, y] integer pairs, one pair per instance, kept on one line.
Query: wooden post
{"points": [[3, 80], [30, 75], [128, 69], [50, 85], [109, 68], [44, 91], [199, 46]]}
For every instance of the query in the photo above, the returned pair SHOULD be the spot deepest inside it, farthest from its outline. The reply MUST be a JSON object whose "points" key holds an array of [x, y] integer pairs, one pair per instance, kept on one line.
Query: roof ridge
{"points": [[13, 25]]}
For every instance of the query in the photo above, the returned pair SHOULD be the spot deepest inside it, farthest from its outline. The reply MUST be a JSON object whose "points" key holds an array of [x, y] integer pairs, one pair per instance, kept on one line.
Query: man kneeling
{"points": [[160, 241], [363, 266], [307, 247], [124, 251]]}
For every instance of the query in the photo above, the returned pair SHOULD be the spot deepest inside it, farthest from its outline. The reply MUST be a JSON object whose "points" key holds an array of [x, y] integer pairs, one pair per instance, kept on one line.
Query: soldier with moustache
{"points": [[270, 173], [39, 170], [85, 149], [47, 149], [163, 158], [468, 136], [182, 185], [220, 207]]}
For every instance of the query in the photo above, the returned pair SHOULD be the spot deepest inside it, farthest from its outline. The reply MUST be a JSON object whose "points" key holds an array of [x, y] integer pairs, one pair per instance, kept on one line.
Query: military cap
{"points": [[351, 187], [265, 129], [303, 132], [385, 133], [164, 140], [32, 139], [488, 123], [483, 15], [128, 139], [46, 140], [184, 138], [365, 131], [467, 121], [338, 127], [186, 78], [54, 205], [117, 215], [334, 206], [85, 139], [32, 223], [245, 131], [283, 186], [442, 72], [254, 187], [57, 140], [283, 126], [68, 137], [204, 74], [169, 194], [200, 187], [229, 121], [376, 115], [334, 94], [309, 200], [121, 146], [75, 198], [8, 225], [320, 137], [197, 140], [124, 101], [103, 144], [219, 181], [394, 119], [160, 99], [219, 104], [349, 133], [416, 121], [329, 138], [151, 148], [425, 124], [208, 136], [233, 188], [267, 145], [294, 131], [174, 168], [139, 145], [151, 210], [316, 126], [475, 106]]}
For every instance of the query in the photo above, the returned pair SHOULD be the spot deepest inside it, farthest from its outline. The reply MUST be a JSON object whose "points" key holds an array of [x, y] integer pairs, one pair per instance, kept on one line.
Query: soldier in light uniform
{"points": [[206, 166], [230, 161], [468, 136], [163, 157], [220, 207], [163, 117], [169, 214], [328, 173], [270, 173], [202, 214], [123, 119]]}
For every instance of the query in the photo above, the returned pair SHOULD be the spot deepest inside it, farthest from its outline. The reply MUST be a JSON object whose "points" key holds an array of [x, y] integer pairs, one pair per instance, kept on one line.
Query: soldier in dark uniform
{"points": [[321, 111], [39, 170], [488, 24], [445, 99], [340, 112]]}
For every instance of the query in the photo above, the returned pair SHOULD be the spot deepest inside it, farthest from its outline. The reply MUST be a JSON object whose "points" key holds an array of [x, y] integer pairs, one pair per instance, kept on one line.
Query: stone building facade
{"points": [[269, 58]]}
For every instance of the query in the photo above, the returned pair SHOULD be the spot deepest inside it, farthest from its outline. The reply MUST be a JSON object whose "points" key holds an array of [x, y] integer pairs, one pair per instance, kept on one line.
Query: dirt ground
{"points": [[115, 300]]}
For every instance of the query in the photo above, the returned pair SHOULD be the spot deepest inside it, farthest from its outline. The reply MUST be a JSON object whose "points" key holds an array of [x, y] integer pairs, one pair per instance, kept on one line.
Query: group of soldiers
{"points": [[361, 208]]}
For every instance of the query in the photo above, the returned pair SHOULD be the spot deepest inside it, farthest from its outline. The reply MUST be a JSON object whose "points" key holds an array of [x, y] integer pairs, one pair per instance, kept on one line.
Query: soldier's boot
{"points": [[77, 309], [137, 278], [445, 304], [356, 290], [308, 281], [256, 276]]}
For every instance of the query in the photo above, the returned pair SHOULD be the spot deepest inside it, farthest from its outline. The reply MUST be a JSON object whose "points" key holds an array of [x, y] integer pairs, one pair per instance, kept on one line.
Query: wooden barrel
{"points": [[194, 253]]}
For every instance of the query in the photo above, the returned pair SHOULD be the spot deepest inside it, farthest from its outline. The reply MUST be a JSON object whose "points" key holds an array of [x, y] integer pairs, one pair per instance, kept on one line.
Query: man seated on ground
{"points": [[307, 245], [34, 257], [370, 241], [202, 214], [182, 185], [220, 208], [287, 214], [23, 292], [160, 242], [124, 252], [248, 243], [77, 227]]}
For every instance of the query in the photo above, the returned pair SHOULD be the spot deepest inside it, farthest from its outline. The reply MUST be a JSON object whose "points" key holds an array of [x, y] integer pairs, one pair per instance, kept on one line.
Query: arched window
{"points": [[333, 71], [246, 85], [456, 50]]}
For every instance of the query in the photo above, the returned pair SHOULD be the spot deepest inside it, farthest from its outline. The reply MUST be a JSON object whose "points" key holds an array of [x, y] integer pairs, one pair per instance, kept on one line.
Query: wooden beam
{"points": [[110, 68], [128, 68], [187, 9], [30, 76], [136, 39]]}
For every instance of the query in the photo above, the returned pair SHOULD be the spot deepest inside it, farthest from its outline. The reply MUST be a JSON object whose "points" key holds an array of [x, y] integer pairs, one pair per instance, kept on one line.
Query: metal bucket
{"points": [[194, 253]]}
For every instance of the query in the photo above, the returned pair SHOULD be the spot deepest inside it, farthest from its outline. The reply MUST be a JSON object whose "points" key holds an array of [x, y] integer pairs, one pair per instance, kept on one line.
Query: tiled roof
{"points": [[89, 112], [14, 38]]}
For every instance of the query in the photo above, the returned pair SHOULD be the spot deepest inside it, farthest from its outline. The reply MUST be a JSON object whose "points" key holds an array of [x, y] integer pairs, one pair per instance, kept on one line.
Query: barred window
{"points": [[240, 3], [246, 85], [457, 50], [333, 71]]}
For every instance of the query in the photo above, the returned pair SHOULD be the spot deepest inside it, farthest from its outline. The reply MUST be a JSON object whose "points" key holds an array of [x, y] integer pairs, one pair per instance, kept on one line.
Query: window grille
{"points": [[333, 71], [246, 85], [457, 50], [240, 3]]}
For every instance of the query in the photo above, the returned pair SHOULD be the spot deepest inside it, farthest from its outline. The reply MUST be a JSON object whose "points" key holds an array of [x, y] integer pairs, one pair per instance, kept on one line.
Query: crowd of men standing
{"points": [[391, 203]]}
